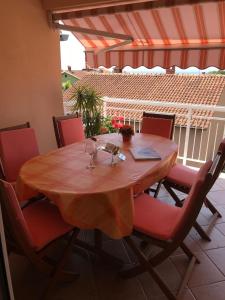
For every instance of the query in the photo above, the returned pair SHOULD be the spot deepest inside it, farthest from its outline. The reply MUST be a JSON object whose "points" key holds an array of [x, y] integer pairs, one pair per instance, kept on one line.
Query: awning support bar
{"points": [[93, 31]]}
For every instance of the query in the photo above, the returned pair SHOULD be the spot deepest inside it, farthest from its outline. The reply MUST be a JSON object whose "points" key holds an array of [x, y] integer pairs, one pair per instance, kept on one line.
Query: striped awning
{"points": [[154, 33]]}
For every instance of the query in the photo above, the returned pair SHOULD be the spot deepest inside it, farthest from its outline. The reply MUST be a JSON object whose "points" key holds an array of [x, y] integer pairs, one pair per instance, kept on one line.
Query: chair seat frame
{"points": [[146, 264], [218, 164], [17, 244]]}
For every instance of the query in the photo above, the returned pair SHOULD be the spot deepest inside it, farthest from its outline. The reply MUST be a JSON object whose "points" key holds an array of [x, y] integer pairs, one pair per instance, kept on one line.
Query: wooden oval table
{"points": [[99, 198]]}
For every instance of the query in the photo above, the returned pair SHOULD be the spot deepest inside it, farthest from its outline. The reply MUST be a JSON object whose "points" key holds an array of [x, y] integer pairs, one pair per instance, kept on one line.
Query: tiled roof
{"points": [[76, 73], [189, 89]]}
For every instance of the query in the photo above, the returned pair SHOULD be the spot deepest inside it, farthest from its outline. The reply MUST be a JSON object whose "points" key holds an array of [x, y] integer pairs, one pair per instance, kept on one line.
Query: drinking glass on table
{"points": [[90, 148]]}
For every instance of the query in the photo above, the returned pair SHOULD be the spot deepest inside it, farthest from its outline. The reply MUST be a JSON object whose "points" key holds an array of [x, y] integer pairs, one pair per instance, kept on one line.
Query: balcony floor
{"points": [[98, 281]]}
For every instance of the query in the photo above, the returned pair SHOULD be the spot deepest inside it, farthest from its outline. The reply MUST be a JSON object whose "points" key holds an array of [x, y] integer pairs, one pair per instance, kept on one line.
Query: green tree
{"points": [[219, 72], [88, 103], [66, 85]]}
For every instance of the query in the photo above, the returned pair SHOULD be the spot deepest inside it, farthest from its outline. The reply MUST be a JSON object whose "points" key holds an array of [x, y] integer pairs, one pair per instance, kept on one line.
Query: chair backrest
{"points": [[194, 201], [218, 163], [68, 129], [16, 147], [20, 126], [17, 231], [158, 124]]}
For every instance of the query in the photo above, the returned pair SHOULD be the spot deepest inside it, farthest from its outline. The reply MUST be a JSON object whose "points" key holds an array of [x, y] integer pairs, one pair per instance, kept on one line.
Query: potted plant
{"points": [[88, 103], [107, 125], [127, 131]]}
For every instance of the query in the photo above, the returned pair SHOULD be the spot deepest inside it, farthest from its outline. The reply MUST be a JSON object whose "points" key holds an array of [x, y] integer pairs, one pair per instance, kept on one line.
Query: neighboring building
{"points": [[72, 75], [189, 89]]}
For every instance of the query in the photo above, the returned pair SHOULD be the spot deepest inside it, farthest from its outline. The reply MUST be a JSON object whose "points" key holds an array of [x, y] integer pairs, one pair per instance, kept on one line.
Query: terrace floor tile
{"points": [[214, 291]]}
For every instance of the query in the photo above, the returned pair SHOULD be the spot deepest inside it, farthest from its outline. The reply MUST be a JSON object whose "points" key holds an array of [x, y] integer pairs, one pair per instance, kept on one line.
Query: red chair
{"points": [[30, 231], [167, 226], [158, 124], [181, 178], [17, 145], [68, 129]]}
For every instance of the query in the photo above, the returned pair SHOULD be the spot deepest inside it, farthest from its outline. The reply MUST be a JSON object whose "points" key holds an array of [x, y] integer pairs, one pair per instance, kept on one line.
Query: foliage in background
{"points": [[220, 72], [88, 103], [107, 124], [66, 85]]}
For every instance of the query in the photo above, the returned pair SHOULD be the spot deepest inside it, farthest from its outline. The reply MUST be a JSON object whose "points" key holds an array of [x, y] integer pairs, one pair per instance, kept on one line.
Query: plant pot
{"points": [[126, 138]]}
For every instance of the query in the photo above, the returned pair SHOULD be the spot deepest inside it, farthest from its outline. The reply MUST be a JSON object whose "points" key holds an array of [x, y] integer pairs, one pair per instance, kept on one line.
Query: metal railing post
{"points": [[187, 135], [190, 112]]}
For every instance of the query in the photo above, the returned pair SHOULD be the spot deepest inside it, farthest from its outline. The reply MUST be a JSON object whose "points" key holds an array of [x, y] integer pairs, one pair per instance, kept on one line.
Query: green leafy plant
{"points": [[66, 85], [107, 126], [88, 103], [219, 72]]}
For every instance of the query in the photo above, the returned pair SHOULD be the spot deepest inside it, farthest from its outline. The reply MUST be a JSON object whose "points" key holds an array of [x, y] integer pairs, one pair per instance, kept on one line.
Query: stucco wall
{"points": [[30, 87]]}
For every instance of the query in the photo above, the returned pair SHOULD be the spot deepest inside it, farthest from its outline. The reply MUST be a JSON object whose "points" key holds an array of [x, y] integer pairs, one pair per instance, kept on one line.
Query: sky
{"points": [[72, 54]]}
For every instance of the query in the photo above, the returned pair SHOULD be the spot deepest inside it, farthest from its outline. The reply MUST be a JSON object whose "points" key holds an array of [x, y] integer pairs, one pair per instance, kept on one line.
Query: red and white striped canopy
{"points": [[154, 33]]}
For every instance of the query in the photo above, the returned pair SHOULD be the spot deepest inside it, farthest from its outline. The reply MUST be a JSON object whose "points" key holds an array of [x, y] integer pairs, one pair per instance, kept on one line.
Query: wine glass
{"points": [[90, 148]]}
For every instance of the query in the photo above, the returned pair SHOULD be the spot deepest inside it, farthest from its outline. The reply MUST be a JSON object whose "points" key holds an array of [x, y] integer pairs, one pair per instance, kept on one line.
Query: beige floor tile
{"points": [[187, 295], [168, 273], [204, 273], [221, 227], [217, 197], [218, 258], [214, 291], [217, 239]]}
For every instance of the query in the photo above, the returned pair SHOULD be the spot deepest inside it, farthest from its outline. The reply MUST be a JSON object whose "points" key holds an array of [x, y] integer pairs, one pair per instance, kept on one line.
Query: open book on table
{"points": [[144, 153]]}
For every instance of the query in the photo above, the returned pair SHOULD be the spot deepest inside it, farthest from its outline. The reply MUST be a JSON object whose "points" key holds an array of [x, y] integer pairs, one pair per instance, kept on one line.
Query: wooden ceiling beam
{"points": [[62, 5]]}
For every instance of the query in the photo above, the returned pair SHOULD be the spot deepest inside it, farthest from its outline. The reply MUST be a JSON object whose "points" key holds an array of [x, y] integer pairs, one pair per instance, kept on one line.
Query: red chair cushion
{"points": [[157, 126], [45, 223], [15, 213], [71, 131], [182, 176], [154, 218], [165, 222], [37, 224], [16, 147]]}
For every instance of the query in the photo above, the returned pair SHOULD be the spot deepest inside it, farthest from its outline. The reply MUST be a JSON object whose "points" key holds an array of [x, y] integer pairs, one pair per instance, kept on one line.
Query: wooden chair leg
{"points": [[98, 239], [146, 266], [212, 208], [56, 272], [201, 232], [188, 252], [157, 189], [177, 200]]}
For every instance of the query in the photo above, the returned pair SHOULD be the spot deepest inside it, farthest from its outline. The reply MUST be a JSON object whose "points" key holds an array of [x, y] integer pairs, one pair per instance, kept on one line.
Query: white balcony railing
{"points": [[196, 144]]}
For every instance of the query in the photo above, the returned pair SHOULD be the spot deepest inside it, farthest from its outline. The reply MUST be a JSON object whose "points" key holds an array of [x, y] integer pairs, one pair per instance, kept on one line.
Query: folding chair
{"points": [[167, 226], [20, 126], [158, 124], [68, 129], [181, 178], [29, 232]]}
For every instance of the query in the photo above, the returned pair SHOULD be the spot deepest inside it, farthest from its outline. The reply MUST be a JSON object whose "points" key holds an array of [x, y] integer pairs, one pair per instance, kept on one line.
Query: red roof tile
{"points": [[76, 73], [189, 89]]}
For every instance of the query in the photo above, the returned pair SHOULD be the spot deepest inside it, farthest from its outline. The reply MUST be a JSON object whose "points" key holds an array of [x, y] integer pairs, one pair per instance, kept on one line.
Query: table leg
{"points": [[97, 249], [98, 239]]}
